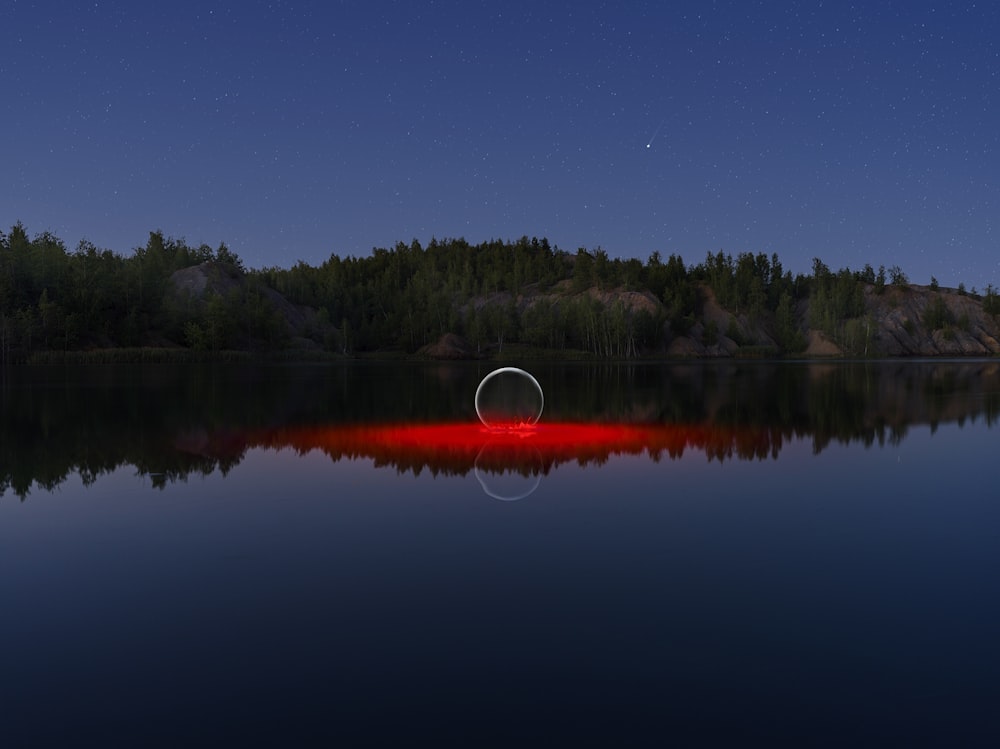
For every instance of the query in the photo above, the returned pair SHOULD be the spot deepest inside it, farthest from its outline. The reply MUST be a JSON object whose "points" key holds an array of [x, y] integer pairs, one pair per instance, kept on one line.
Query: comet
{"points": [[656, 132]]}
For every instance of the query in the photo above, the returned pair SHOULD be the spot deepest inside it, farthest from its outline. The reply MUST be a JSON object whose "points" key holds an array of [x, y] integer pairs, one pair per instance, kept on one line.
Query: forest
{"points": [[493, 294]]}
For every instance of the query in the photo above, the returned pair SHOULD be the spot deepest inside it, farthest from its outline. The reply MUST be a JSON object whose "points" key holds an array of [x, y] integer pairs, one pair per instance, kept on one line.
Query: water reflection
{"points": [[171, 422], [501, 481], [453, 448]]}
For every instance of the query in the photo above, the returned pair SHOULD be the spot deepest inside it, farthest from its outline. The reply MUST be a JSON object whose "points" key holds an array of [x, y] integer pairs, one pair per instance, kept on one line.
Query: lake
{"points": [[727, 553]]}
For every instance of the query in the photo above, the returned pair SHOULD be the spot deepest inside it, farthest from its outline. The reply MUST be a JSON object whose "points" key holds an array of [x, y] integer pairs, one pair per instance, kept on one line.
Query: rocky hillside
{"points": [[920, 321], [902, 320], [191, 288]]}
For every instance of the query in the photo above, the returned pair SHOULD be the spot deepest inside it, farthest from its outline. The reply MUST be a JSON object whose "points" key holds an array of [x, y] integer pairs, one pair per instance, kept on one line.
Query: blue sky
{"points": [[865, 133]]}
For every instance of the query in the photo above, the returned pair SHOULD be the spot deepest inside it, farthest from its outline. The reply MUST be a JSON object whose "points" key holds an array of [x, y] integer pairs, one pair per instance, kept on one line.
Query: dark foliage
{"points": [[495, 293]]}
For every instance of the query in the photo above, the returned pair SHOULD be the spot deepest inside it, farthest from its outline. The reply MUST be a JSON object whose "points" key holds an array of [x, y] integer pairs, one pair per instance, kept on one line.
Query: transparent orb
{"points": [[509, 399]]}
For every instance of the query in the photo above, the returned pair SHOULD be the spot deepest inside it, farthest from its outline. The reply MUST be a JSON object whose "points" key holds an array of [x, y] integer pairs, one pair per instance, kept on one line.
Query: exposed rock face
{"points": [[198, 279], [449, 347], [900, 315], [686, 348], [821, 345], [898, 322], [190, 286], [530, 296], [632, 300], [909, 320]]}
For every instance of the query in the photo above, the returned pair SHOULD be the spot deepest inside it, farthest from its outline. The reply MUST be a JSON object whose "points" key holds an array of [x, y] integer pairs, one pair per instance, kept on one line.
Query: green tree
{"points": [[50, 315], [583, 271], [937, 315], [880, 280], [789, 337], [603, 269]]}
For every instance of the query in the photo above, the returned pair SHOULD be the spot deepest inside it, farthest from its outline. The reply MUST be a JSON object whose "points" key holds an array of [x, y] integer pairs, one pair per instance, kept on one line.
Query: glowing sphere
{"points": [[509, 399]]}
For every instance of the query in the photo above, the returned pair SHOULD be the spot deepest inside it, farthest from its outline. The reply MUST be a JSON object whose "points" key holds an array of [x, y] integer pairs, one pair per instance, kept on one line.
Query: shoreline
{"points": [[165, 355]]}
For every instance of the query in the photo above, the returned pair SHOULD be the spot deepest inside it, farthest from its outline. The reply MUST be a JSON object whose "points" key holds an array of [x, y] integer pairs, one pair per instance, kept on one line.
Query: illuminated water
{"points": [[225, 556]]}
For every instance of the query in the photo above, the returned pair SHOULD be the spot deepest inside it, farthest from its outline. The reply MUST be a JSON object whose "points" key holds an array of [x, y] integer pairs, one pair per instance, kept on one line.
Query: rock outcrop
{"points": [[901, 321], [898, 321], [449, 347], [904, 327], [191, 287]]}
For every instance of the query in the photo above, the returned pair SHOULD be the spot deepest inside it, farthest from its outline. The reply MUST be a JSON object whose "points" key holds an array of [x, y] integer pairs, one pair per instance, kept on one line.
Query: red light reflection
{"points": [[460, 447]]}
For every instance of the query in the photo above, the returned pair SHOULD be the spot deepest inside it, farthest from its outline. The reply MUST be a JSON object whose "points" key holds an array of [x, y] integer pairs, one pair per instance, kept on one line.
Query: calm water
{"points": [[806, 554]]}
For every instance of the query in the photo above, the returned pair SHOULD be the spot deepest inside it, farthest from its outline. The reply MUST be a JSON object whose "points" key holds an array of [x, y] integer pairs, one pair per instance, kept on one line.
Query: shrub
{"points": [[937, 315]]}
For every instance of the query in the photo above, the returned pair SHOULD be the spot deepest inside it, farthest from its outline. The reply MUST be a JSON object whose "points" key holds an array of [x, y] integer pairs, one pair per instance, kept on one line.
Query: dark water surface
{"points": [[798, 554]]}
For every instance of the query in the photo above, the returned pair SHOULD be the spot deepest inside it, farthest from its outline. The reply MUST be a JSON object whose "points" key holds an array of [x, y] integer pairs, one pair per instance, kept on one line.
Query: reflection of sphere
{"points": [[509, 398], [507, 481]]}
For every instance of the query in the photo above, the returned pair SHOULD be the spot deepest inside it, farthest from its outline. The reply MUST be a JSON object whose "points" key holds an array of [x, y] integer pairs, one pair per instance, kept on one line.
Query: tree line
{"points": [[494, 293], [52, 299]]}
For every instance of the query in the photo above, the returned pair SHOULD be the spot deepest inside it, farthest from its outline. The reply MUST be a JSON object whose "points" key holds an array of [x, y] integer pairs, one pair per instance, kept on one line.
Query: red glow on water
{"points": [[459, 447], [469, 439]]}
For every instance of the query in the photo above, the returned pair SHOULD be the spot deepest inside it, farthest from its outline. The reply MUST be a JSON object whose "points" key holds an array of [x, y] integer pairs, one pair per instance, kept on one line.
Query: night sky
{"points": [[864, 133]]}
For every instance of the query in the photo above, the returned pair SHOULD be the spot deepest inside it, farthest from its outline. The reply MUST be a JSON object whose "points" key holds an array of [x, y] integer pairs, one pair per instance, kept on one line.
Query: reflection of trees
{"points": [[172, 422], [415, 447]]}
